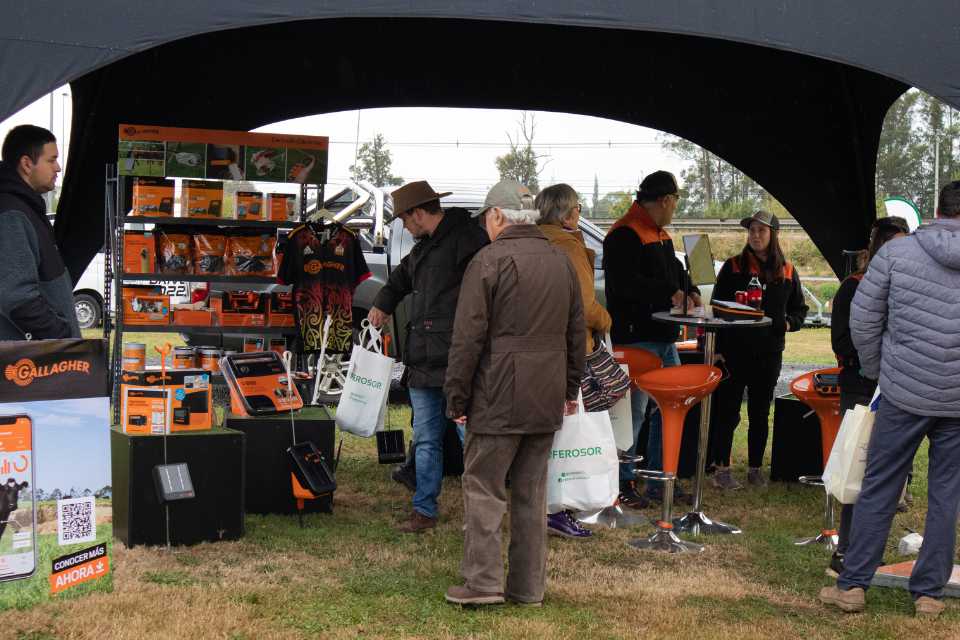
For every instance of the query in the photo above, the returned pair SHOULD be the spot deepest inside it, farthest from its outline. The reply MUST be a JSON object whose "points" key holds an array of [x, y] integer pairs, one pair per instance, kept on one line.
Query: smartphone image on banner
{"points": [[18, 514]]}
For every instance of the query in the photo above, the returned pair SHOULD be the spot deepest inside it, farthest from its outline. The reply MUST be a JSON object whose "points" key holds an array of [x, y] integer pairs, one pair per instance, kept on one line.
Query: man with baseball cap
{"points": [[515, 367], [644, 276], [431, 275]]}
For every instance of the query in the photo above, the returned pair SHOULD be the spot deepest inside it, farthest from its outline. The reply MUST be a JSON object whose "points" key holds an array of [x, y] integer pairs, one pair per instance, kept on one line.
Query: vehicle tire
{"points": [[88, 310]]}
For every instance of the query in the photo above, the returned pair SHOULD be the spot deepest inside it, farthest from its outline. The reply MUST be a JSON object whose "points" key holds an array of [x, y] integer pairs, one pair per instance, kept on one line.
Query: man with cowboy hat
{"points": [[431, 275]]}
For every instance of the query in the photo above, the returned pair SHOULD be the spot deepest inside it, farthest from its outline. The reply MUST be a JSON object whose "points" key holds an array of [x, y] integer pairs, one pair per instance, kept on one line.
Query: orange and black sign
{"points": [[76, 568], [54, 369]]}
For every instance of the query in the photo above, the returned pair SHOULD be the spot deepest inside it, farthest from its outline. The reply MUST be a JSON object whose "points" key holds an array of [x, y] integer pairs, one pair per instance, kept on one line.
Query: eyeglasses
{"points": [[579, 207]]}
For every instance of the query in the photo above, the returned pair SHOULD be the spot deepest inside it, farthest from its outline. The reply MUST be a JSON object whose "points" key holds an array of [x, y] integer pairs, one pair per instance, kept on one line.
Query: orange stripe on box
{"points": [[148, 133]]}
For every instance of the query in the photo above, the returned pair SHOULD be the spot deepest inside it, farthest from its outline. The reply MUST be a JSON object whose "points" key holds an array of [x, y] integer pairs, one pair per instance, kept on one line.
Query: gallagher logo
{"points": [[24, 371]]}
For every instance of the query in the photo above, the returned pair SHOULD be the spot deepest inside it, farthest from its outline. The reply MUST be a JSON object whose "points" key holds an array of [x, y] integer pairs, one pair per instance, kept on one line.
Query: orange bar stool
{"points": [[675, 390], [820, 390]]}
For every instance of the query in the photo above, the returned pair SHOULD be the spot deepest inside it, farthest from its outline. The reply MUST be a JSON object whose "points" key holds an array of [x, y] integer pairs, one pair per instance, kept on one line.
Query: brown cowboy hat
{"points": [[414, 194]]}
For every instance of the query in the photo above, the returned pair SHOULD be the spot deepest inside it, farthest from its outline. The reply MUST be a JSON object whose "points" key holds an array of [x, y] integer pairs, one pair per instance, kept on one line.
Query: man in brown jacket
{"points": [[514, 370]]}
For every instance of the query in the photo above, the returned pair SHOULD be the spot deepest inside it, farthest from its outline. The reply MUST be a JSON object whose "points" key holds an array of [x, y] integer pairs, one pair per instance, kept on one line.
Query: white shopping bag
{"points": [[621, 419], [843, 473], [363, 403], [582, 472]]}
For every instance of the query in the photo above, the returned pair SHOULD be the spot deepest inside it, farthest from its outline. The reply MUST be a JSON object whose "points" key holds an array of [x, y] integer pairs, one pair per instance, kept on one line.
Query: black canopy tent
{"points": [[793, 93]]}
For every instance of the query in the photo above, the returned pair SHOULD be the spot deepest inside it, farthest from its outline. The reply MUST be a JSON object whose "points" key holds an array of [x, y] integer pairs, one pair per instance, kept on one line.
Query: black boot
{"points": [[406, 473]]}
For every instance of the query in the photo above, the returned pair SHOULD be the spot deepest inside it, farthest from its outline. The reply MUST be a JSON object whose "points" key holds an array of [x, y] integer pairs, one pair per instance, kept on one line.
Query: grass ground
{"points": [[810, 346], [351, 574]]}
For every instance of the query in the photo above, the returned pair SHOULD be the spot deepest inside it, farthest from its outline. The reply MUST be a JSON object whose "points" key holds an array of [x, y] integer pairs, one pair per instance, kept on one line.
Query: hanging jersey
{"points": [[324, 264]]}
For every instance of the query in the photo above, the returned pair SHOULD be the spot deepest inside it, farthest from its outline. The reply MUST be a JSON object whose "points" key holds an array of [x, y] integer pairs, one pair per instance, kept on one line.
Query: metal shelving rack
{"points": [[115, 206]]}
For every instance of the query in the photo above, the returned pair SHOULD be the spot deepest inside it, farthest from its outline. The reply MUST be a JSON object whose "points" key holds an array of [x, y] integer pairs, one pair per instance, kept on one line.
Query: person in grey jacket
{"points": [[905, 325], [36, 293]]}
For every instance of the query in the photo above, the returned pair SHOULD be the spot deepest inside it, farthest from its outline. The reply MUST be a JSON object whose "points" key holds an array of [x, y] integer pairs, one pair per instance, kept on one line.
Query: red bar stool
{"points": [[820, 391], [675, 390], [639, 361]]}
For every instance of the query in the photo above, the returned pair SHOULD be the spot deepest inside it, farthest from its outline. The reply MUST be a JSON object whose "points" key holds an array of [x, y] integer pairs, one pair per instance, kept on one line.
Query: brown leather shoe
{"points": [[462, 594], [927, 607], [851, 601], [418, 523]]}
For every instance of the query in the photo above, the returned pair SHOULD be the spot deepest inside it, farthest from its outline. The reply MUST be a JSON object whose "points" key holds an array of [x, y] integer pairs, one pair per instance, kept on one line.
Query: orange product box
{"points": [[139, 252], [244, 309], [249, 205], [201, 199], [145, 305], [281, 310], [152, 197], [193, 317], [281, 206], [151, 403]]}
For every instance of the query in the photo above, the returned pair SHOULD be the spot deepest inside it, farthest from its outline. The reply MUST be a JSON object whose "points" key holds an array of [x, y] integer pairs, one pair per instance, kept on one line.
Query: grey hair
{"points": [[521, 216], [555, 203]]}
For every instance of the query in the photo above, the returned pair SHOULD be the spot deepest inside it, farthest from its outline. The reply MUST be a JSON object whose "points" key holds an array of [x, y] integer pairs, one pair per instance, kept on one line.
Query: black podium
{"points": [[215, 461], [796, 441], [268, 488]]}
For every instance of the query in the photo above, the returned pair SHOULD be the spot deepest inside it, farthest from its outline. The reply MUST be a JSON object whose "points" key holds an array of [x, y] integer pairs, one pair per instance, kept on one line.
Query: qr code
{"points": [[76, 520]]}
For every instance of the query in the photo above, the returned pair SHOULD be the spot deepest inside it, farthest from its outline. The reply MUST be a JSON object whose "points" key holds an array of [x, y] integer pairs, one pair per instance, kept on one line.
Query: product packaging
{"points": [[153, 403], [258, 384], [249, 205], [244, 309], [174, 251], [56, 508], [201, 199], [139, 252], [250, 252], [282, 206], [281, 309], [145, 305], [209, 249], [152, 197]]}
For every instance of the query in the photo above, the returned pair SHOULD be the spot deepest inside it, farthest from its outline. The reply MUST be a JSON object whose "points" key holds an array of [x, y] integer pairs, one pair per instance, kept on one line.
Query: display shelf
{"points": [[180, 328], [192, 277], [210, 222]]}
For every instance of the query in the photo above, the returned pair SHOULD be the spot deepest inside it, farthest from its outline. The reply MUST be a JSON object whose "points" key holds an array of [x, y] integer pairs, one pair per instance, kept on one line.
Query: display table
{"points": [[216, 462], [696, 521], [267, 464]]}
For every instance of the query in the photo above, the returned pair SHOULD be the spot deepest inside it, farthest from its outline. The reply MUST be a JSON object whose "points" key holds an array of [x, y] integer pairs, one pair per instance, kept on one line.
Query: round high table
{"points": [[696, 521]]}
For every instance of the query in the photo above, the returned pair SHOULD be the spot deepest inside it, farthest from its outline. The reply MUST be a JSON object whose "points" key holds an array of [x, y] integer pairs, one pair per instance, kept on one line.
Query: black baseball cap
{"points": [[656, 185]]}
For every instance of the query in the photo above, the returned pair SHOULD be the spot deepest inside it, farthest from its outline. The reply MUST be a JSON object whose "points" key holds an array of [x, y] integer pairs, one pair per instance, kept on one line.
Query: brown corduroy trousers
{"points": [[488, 461]]}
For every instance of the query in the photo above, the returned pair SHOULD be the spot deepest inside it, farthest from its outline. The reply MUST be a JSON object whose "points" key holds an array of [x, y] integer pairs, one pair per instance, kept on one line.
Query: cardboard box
{"points": [[139, 252], [180, 401], [201, 199], [281, 206], [193, 317], [145, 305], [152, 197], [281, 310], [249, 205], [244, 309]]}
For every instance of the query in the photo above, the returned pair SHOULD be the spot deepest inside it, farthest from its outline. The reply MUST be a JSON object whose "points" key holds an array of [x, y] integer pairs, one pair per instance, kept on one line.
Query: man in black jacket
{"points": [[431, 273], [36, 293], [644, 276]]}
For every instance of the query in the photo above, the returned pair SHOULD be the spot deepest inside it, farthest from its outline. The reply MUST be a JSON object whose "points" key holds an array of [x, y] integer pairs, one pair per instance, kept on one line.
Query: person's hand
{"points": [[697, 301], [569, 407], [718, 359], [462, 420], [677, 298], [787, 322], [377, 317]]}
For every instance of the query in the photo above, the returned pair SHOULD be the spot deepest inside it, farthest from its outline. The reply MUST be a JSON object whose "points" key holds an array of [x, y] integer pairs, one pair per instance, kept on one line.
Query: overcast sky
{"points": [[454, 149]]}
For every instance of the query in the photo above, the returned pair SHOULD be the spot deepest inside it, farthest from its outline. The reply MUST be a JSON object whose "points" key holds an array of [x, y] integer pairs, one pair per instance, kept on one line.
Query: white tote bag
{"points": [[582, 472], [843, 473], [363, 403], [621, 419]]}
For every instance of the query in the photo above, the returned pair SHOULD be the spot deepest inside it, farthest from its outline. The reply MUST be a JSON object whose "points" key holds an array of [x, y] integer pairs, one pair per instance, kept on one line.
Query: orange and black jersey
{"points": [[782, 302]]}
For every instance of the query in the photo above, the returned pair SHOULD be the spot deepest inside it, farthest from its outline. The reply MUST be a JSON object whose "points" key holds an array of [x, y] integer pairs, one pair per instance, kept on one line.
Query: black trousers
{"points": [[758, 375]]}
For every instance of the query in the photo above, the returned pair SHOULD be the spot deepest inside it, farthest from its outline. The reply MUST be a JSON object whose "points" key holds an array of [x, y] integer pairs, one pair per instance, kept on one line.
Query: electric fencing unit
{"points": [[259, 384]]}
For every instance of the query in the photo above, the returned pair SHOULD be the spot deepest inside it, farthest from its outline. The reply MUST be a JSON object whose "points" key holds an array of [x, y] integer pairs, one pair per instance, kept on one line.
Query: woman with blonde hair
{"points": [[560, 208]]}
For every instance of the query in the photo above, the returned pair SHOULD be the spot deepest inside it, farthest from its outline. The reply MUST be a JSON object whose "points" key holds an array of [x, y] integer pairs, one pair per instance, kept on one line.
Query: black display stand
{"points": [[796, 441], [216, 462], [268, 488]]}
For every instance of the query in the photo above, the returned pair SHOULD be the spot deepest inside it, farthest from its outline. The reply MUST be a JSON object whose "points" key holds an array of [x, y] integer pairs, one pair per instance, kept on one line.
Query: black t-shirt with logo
{"points": [[324, 263]]}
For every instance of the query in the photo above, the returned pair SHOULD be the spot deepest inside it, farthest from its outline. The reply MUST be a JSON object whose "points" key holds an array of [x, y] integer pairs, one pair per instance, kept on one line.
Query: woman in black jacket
{"points": [[854, 388], [753, 356]]}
